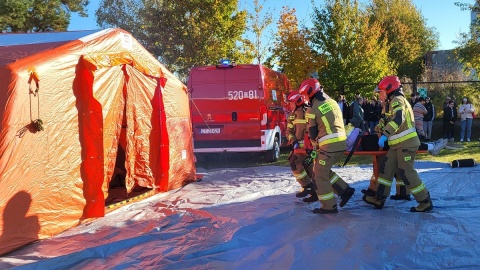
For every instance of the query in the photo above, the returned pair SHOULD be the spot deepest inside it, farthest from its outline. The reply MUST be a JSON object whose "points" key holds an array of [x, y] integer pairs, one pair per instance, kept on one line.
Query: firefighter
{"points": [[296, 133], [403, 142], [327, 134]]}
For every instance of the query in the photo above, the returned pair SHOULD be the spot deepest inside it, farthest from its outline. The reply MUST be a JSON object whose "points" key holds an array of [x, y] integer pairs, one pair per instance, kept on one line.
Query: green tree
{"points": [[39, 15], [351, 46], [468, 51], [404, 27], [124, 14], [182, 34], [257, 24], [291, 51]]}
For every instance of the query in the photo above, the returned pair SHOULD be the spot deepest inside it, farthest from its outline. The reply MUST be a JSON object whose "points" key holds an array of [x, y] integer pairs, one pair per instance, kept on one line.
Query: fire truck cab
{"points": [[238, 108]]}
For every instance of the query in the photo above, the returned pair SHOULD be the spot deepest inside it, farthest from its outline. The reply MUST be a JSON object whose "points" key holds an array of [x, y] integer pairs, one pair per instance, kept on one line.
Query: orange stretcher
{"points": [[375, 156]]}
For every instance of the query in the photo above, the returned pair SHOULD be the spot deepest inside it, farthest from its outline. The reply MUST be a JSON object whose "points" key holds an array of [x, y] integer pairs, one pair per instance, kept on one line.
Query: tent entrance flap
{"points": [[117, 190], [90, 125]]}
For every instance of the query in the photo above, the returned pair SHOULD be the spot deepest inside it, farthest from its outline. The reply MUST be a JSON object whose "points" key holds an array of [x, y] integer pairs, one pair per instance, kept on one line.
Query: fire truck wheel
{"points": [[273, 154]]}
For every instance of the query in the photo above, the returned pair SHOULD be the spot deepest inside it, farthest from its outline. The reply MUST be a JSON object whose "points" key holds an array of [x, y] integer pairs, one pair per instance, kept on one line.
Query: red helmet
{"points": [[309, 87], [389, 84], [296, 98]]}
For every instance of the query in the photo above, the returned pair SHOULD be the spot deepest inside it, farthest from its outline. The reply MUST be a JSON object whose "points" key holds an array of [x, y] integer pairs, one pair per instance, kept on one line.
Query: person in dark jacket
{"points": [[449, 117], [358, 117], [428, 119], [445, 103], [413, 99], [344, 107], [374, 113]]}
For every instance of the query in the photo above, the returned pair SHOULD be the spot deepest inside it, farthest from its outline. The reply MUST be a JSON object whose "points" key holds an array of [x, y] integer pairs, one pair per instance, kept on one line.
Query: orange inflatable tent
{"points": [[67, 101]]}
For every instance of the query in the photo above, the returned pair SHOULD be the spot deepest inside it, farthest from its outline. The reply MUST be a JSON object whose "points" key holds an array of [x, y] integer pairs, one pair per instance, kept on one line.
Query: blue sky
{"points": [[447, 18]]}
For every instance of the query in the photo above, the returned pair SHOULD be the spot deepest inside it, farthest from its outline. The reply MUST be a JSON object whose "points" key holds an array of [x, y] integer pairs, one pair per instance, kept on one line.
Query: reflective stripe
{"points": [[322, 162], [408, 118], [300, 121], [334, 179], [384, 182], [310, 116], [326, 124], [332, 136], [396, 109], [402, 134], [409, 136], [418, 189], [291, 117], [404, 137], [290, 125], [300, 176], [334, 140], [326, 197], [400, 183], [290, 136], [393, 125]]}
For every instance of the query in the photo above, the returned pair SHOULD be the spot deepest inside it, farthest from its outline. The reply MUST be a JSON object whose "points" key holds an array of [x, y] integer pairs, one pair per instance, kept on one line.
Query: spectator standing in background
{"points": [[428, 119], [413, 99], [343, 104], [367, 110], [358, 117], [446, 102], [449, 117], [375, 111], [419, 111], [466, 111]]}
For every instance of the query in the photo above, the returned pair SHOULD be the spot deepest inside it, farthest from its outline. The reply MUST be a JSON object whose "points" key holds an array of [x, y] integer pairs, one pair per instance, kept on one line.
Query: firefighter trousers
{"points": [[400, 162], [302, 174], [401, 189], [327, 181]]}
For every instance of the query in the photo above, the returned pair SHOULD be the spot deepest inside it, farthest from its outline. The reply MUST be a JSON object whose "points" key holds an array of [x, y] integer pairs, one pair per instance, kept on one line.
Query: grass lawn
{"points": [[240, 160], [236, 160]]}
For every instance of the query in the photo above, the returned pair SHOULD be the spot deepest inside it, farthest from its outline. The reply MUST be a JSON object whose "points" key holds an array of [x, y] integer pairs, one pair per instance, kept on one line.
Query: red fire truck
{"points": [[238, 108]]}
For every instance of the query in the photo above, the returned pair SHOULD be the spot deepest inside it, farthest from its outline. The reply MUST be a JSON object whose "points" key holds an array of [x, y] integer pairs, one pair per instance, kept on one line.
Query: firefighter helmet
{"points": [[296, 98], [309, 87], [389, 84]]}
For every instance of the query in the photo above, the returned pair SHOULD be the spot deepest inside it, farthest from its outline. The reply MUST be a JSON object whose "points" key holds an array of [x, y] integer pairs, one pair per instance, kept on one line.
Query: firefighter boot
{"points": [[401, 194], [369, 192], [347, 194], [398, 197], [377, 201], [334, 210], [308, 189], [312, 198], [423, 206]]}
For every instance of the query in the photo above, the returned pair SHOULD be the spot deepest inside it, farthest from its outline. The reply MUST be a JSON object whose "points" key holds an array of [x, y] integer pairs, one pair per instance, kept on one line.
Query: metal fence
{"points": [[437, 91]]}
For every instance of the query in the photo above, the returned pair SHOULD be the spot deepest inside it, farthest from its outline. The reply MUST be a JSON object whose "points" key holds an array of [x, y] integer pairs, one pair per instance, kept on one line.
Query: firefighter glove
{"points": [[381, 141], [296, 145]]}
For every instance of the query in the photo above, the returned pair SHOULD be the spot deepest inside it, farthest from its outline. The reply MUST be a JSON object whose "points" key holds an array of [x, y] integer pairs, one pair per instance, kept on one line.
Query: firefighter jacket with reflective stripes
{"points": [[400, 130], [296, 125], [327, 117]]}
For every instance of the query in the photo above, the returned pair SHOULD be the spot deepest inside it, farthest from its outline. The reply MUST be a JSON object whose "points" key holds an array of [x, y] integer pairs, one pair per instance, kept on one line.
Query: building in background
{"points": [[443, 65]]}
